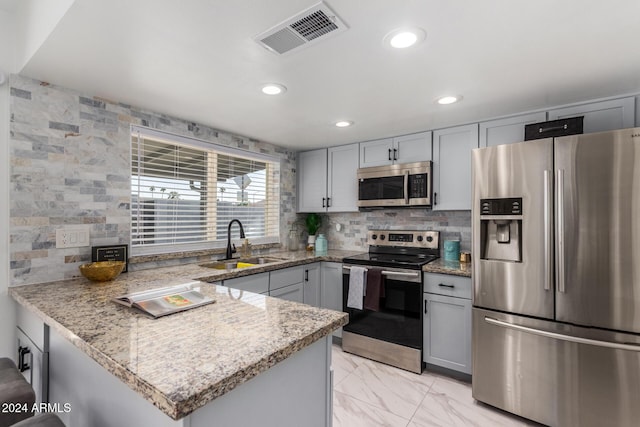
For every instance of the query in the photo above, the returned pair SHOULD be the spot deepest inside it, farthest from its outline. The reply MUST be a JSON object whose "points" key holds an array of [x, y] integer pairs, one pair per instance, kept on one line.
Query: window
{"points": [[185, 191]]}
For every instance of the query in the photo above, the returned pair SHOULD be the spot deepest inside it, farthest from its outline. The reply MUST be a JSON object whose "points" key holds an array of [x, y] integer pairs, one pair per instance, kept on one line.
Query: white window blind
{"points": [[184, 192]]}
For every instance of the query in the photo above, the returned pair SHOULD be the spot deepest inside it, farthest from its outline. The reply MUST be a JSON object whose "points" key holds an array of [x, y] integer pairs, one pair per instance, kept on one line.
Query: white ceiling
{"points": [[197, 60]]}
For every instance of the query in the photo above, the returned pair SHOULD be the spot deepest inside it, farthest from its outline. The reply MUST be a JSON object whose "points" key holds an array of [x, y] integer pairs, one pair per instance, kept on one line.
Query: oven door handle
{"points": [[393, 273]]}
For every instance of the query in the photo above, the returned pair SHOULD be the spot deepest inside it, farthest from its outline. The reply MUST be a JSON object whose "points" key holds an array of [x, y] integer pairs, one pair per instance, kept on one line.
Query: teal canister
{"points": [[452, 250], [321, 245]]}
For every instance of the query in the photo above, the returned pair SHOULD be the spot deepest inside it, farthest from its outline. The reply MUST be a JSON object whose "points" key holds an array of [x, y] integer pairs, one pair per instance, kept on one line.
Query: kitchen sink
{"points": [[230, 264]]}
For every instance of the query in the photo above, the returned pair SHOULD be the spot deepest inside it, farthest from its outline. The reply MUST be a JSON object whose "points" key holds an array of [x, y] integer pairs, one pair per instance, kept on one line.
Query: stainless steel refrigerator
{"points": [[556, 277]]}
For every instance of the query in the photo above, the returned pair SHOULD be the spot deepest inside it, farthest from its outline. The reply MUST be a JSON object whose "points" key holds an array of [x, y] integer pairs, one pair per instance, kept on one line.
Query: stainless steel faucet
{"points": [[231, 249]]}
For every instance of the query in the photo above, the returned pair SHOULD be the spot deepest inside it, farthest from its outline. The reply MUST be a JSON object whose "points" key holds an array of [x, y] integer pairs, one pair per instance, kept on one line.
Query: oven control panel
{"points": [[413, 239]]}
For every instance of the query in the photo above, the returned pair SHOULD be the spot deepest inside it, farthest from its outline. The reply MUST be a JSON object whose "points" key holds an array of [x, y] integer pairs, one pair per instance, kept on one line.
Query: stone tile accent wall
{"points": [[69, 155], [353, 235]]}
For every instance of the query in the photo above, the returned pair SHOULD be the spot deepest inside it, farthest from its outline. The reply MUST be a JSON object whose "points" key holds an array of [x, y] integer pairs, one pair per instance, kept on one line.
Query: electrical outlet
{"points": [[72, 237]]}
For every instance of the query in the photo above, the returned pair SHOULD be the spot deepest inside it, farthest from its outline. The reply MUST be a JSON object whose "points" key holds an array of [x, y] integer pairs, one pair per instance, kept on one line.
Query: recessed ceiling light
{"points": [[449, 99], [273, 89], [404, 37], [344, 123]]}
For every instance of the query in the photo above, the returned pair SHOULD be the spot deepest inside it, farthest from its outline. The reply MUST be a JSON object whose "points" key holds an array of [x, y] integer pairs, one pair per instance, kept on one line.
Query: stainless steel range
{"points": [[391, 334]]}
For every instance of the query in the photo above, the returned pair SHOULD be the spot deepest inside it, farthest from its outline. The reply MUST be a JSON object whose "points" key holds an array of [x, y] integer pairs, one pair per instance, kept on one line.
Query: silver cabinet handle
{"points": [[562, 337], [560, 228], [548, 236]]}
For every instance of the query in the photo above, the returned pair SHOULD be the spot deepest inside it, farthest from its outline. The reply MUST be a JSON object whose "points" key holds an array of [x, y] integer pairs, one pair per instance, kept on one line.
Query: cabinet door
{"points": [[412, 148], [257, 283], [376, 153], [601, 116], [312, 284], [507, 131], [312, 181], [447, 332], [452, 167], [290, 293], [331, 288], [36, 365], [285, 277], [342, 179]]}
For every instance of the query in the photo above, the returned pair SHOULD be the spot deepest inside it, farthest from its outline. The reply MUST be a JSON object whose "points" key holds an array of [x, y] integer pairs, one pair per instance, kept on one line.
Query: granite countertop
{"points": [[454, 268], [239, 336]]}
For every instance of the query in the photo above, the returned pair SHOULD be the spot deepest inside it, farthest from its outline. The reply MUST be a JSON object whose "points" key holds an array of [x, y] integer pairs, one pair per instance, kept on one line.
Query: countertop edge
{"points": [[180, 408]]}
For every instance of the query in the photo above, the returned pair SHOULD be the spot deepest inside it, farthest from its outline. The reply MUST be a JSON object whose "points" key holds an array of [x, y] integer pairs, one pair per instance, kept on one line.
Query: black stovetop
{"points": [[408, 261]]}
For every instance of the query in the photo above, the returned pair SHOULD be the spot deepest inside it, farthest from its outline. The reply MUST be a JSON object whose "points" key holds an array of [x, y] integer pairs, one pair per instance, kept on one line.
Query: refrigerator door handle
{"points": [[560, 225], [562, 337], [548, 232]]}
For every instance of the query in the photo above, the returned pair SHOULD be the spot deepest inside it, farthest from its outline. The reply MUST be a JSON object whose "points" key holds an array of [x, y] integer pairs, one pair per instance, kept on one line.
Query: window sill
{"points": [[139, 259]]}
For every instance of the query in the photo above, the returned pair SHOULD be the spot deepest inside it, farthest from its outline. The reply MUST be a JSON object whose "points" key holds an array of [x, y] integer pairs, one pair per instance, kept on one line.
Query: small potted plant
{"points": [[313, 223]]}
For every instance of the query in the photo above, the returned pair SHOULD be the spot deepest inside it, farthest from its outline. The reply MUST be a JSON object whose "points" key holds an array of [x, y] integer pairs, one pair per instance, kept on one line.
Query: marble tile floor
{"points": [[369, 394]]}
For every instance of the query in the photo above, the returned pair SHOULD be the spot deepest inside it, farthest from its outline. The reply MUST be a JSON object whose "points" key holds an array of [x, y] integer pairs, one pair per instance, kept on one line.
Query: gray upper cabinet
{"points": [[312, 180], [327, 179], [601, 116], [342, 187], [402, 149], [507, 131], [376, 153], [452, 167]]}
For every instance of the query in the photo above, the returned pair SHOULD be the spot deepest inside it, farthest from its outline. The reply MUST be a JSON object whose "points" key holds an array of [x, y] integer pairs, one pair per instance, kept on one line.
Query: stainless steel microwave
{"points": [[400, 185]]}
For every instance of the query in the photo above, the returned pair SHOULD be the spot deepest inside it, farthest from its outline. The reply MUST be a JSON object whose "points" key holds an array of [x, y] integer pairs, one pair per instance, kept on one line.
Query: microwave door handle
{"points": [[406, 187]]}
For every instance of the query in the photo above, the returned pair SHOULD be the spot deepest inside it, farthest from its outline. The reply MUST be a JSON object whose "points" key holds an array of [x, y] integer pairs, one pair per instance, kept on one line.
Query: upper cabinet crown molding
{"points": [[402, 149]]}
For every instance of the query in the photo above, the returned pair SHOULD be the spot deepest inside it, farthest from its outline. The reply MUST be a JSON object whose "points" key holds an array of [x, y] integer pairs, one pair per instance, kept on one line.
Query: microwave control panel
{"points": [[418, 185]]}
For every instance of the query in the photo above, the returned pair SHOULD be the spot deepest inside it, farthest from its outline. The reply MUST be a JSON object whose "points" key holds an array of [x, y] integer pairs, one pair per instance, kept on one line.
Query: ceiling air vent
{"points": [[314, 24]]}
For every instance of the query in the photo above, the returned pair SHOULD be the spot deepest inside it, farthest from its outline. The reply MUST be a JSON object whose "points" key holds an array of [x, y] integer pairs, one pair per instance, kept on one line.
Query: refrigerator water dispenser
{"points": [[501, 229]]}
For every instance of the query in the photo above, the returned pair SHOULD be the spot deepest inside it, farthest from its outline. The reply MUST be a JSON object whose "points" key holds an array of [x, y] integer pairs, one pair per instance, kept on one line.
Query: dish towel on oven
{"points": [[374, 289], [357, 277]]}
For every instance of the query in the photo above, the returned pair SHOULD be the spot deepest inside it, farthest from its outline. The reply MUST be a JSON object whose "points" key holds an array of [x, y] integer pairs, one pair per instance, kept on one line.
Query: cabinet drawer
{"points": [[258, 283], [286, 277], [444, 284]]}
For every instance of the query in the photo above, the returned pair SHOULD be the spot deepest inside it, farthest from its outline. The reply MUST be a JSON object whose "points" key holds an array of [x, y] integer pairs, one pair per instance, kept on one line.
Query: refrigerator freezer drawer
{"points": [[554, 373]]}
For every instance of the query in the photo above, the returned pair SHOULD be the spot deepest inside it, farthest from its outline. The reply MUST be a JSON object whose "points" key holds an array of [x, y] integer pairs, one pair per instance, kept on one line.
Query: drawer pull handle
{"points": [[446, 286], [22, 364]]}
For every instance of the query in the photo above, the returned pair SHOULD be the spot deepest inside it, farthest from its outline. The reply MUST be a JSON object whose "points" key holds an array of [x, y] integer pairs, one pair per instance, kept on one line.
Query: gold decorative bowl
{"points": [[102, 271]]}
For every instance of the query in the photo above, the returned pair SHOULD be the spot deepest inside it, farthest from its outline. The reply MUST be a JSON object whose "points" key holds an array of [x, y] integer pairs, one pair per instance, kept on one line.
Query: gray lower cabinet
{"points": [[257, 283], [290, 293], [447, 322], [331, 288], [601, 116], [312, 284], [33, 352]]}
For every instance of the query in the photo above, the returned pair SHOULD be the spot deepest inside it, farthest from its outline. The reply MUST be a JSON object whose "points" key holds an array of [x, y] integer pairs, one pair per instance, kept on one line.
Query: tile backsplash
{"points": [[454, 225], [70, 155]]}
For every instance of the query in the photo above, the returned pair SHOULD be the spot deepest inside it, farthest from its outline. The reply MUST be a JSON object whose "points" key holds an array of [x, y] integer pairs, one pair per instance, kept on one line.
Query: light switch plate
{"points": [[72, 237]]}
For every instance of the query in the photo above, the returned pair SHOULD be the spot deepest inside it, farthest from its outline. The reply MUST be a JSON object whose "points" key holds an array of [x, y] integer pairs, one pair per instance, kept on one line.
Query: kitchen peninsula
{"points": [[247, 359]]}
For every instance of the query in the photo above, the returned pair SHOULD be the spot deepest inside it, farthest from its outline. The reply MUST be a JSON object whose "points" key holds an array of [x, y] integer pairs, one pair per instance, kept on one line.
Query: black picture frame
{"points": [[111, 253]]}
